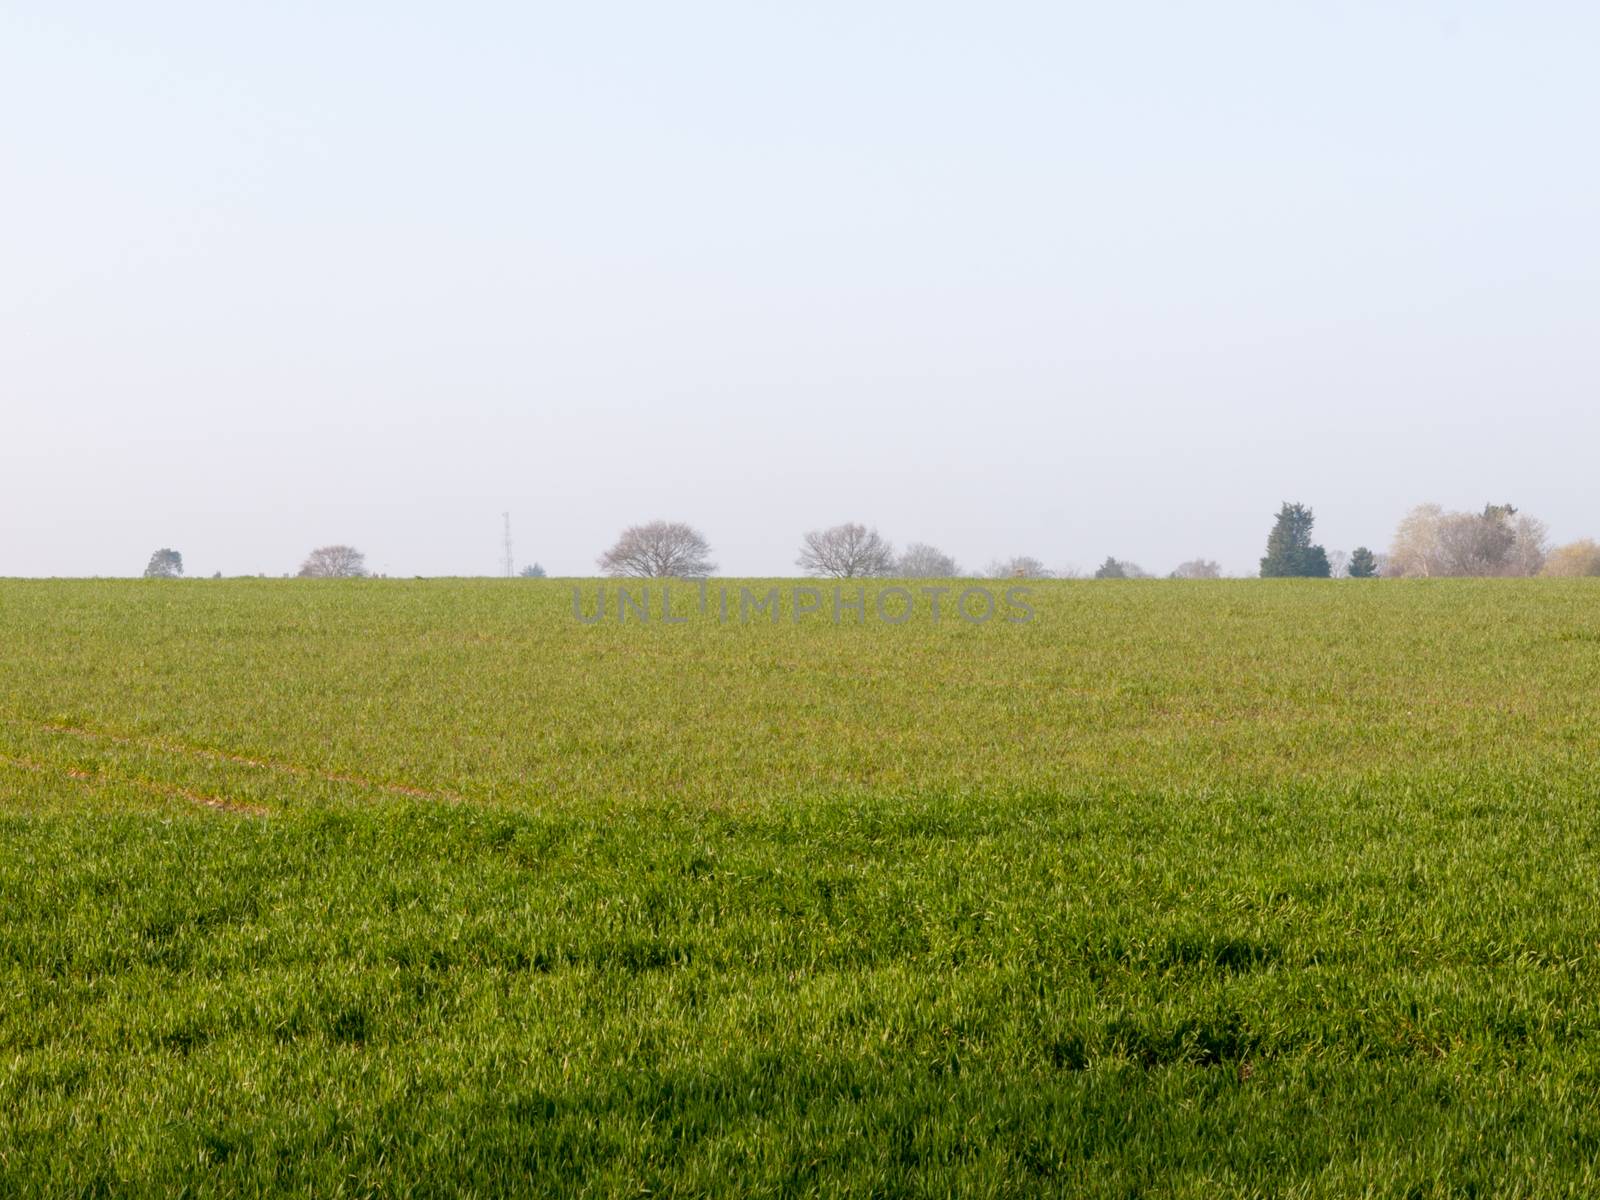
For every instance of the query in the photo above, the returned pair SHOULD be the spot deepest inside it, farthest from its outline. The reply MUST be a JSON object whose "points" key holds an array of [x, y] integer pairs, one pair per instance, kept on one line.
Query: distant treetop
{"points": [[1020, 566], [1289, 549], [922, 561], [1576, 558], [847, 551], [1432, 543], [1115, 568], [659, 550], [164, 564], [334, 562]]}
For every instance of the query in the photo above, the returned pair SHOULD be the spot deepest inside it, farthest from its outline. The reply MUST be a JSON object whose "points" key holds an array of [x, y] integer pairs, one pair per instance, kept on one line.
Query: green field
{"points": [[1266, 888]]}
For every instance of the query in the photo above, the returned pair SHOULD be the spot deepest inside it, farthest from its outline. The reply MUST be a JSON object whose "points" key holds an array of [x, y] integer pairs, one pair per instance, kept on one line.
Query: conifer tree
{"points": [[1289, 549], [1363, 563]]}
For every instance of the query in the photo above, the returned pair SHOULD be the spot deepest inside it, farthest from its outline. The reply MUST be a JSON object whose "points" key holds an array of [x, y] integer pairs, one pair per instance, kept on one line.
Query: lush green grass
{"points": [[381, 888]]}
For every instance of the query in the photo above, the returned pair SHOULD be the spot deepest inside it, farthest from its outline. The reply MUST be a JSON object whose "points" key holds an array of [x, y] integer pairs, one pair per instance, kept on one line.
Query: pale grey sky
{"points": [[1055, 279]]}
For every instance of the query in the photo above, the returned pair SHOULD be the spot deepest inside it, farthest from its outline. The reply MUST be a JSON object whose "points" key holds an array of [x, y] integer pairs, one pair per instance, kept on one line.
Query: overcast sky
{"points": [[1055, 279]]}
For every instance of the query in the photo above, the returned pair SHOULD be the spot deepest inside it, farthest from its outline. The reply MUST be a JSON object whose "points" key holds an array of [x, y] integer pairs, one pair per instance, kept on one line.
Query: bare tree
{"points": [[922, 561], [1022, 566], [1414, 553], [334, 562], [1496, 542], [1471, 545], [846, 552], [1338, 564], [1530, 547], [659, 550], [1574, 559], [1198, 568]]}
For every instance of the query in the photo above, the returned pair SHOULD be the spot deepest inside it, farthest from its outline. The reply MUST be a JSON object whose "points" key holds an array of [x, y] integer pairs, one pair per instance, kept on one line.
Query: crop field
{"points": [[408, 888]]}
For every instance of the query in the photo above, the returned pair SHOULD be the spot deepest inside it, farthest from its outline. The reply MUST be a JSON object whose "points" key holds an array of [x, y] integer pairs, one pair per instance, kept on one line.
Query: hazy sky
{"points": [[1059, 279]]}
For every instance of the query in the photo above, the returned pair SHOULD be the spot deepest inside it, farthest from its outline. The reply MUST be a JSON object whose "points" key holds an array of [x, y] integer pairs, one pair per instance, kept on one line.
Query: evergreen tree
{"points": [[1289, 549], [1363, 563], [1111, 569]]}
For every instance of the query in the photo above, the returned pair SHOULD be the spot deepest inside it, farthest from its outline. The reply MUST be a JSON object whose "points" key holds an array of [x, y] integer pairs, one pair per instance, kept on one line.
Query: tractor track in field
{"points": [[278, 766], [101, 778]]}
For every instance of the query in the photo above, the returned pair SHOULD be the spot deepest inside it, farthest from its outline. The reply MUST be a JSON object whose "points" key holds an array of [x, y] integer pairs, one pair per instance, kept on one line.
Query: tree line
{"points": [[852, 550], [1499, 542], [325, 562]]}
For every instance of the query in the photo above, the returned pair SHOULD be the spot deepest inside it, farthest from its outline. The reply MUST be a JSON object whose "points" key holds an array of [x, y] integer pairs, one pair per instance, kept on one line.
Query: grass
{"points": [[1181, 889]]}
